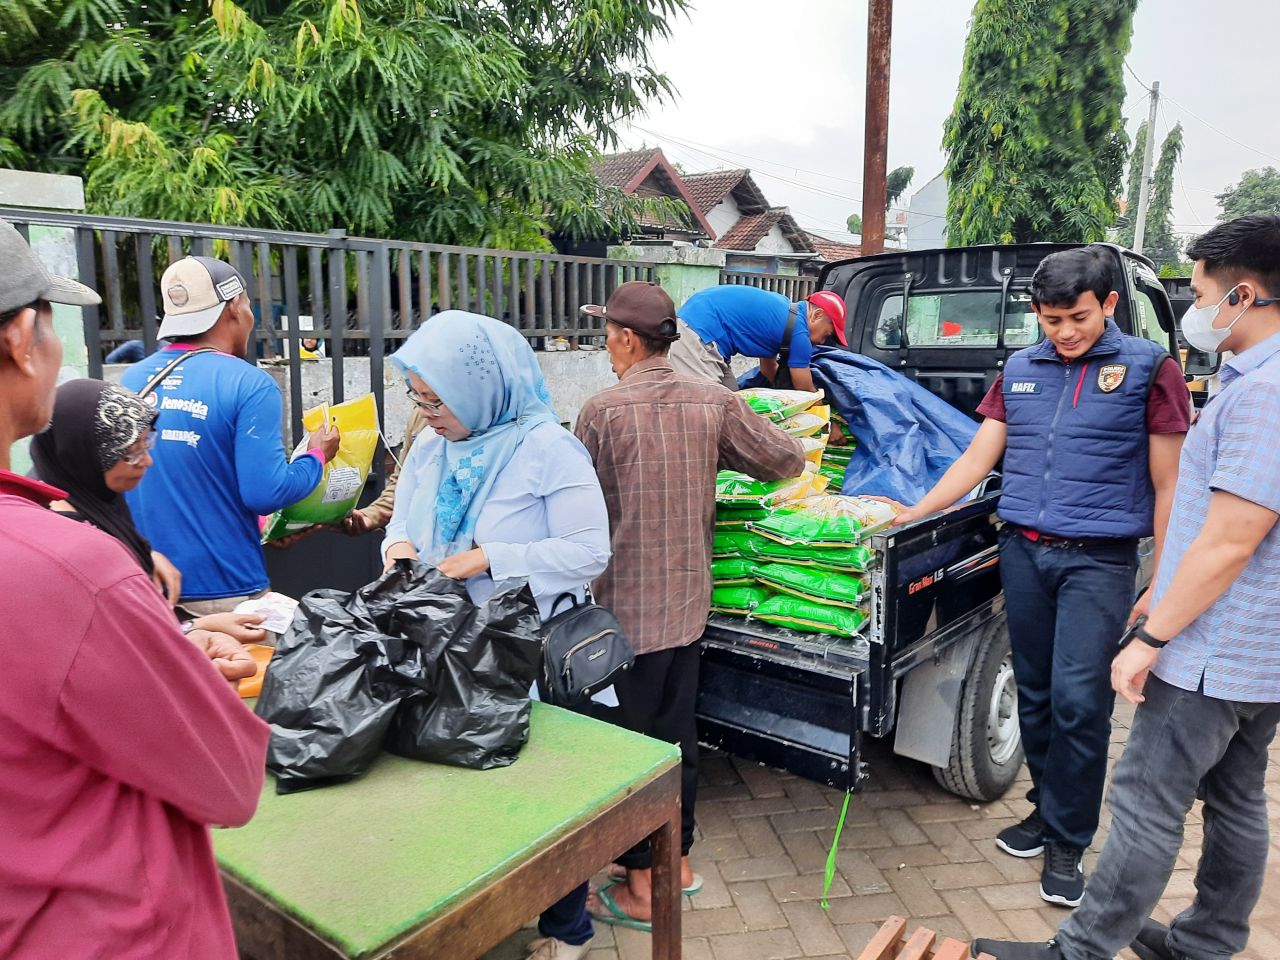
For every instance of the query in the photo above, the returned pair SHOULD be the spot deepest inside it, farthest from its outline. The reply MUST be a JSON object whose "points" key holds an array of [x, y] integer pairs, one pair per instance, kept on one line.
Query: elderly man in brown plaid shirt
{"points": [[658, 440]]}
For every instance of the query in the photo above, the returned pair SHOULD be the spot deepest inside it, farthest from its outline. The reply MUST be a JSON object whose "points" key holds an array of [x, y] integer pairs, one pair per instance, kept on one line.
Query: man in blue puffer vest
{"points": [[1090, 423]]}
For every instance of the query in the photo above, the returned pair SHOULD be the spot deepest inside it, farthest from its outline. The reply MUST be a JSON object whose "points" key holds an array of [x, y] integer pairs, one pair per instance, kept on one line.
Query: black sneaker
{"points": [[1025, 839], [1017, 950], [1152, 942], [1062, 879]]}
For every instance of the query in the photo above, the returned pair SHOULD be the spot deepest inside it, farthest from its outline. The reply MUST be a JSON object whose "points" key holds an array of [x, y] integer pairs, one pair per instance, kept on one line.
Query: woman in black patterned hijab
{"points": [[96, 449]]}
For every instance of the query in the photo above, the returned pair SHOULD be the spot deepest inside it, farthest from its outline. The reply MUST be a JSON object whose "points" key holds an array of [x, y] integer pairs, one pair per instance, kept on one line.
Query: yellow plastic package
{"points": [[344, 476], [809, 423]]}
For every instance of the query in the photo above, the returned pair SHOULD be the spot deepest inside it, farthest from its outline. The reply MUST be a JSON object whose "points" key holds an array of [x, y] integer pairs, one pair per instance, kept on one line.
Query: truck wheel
{"points": [[986, 752]]}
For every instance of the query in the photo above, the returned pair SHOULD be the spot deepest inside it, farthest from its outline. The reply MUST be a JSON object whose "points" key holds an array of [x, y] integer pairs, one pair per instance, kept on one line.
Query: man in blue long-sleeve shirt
{"points": [[219, 460]]}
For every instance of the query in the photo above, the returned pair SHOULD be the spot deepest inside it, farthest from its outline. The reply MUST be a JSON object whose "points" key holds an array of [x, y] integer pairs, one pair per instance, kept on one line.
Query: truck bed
{"points": [[800, 701]]}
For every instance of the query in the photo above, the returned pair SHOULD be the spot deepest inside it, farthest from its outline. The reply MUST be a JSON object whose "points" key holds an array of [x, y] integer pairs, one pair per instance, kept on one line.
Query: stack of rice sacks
{"points": [[786, 552]]}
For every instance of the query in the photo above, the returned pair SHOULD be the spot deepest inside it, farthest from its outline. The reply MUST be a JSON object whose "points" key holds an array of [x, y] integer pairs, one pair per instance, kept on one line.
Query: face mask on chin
{"points": [[1198, 328]]}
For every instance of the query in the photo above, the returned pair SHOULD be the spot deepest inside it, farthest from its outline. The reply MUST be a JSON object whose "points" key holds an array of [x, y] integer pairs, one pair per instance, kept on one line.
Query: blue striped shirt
{"points": [[1234, 646]]}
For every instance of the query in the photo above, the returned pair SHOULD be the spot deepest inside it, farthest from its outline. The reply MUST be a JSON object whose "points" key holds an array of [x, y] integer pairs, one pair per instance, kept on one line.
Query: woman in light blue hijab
{"points": [[501, 491]]}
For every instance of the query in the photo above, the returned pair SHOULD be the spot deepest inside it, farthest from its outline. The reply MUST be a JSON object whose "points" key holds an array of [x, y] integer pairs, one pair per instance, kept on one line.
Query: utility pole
{"points": [[876, 136], [1144, 191]]}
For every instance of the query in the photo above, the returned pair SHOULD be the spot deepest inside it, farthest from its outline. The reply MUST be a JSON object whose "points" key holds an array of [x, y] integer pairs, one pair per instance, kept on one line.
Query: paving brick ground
{"points": [[908, 848]]}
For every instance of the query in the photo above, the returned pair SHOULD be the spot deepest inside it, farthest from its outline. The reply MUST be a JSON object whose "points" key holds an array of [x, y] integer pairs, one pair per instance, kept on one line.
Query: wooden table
{"points": [[418, 860]]}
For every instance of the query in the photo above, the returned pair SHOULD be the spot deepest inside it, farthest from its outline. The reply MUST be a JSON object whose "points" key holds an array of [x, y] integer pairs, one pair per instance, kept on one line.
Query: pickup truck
{"points": [[932, 668]]}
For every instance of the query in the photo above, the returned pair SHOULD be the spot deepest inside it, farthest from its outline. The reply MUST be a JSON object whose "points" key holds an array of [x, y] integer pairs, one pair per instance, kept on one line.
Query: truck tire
{"points": [[986, 751]]}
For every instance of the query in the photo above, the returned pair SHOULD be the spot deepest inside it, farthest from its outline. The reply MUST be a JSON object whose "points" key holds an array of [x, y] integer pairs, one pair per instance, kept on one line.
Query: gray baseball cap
{"points": [[195, 291], [24, 280]]}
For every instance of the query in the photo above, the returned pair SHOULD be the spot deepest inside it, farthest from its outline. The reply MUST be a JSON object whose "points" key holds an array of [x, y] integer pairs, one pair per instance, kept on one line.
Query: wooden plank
{"points": [[424, 289], [491, 916], [405, 320], [443, 299], [464, 282], [664, 846], [950, 949], [917, 947], [883, 945], [499, 308]]}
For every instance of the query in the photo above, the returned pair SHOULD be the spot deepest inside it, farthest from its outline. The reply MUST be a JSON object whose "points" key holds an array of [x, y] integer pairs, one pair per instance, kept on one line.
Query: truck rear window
{"points": [[964, 319]]}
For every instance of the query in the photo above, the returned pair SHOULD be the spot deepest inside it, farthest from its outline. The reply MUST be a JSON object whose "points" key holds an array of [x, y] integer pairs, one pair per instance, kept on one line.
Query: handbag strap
{"points": [[567, 595], [169, 367]]}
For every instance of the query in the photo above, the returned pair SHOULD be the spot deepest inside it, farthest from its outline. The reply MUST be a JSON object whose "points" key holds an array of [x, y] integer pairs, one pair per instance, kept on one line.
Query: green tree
{"points": [[896, 184], [1257, 192], [434, 120], [854, 223], [1035, 143], [1159, 243], [1125, 234]]}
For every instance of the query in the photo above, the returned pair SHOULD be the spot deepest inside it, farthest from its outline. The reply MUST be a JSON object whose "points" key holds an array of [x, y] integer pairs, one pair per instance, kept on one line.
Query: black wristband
{"points": [[1138, 631]]}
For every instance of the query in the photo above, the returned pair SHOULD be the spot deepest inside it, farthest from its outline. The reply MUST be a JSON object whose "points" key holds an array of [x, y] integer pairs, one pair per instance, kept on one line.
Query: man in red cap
{"points": [[719, 323]]}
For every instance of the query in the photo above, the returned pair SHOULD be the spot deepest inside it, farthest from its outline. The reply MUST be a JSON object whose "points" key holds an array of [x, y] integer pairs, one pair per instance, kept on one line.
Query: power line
{"points": [[745, 156], [1196, 116], [1221, 132], [687, 155], [702, 149]]}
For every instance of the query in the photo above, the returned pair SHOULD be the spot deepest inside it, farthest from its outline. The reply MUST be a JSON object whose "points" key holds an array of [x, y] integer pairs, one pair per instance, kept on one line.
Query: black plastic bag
{"points": [[328, 704], [474, 705], [408, 656]]}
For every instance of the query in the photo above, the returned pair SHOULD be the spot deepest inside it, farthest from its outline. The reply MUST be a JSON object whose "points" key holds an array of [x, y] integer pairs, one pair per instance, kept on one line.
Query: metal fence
{"points": [[792, 287], [360, 296]]}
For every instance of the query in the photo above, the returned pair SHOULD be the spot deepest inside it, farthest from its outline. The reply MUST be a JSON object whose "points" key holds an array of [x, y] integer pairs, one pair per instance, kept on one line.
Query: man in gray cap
{"points": [[121, 742], [219, 460]]}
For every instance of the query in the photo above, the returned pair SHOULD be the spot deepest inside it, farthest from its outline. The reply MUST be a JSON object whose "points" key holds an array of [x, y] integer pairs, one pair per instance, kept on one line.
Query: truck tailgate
{"points": [[783, 698]]}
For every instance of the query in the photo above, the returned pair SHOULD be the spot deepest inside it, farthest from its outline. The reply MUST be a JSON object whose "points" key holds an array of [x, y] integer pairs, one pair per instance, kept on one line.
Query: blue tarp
{"points": [[907, 437]]}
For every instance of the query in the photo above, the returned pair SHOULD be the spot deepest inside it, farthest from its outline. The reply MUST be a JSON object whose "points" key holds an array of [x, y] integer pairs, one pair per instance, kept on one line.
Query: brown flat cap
{"points": [[640, 306]]}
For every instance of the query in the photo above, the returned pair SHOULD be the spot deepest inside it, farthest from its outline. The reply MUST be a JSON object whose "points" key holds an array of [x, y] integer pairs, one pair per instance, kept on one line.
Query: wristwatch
{"points": [[1139, 632]]}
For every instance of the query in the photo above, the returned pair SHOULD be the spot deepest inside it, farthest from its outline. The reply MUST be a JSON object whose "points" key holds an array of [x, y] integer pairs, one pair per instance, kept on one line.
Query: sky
{"points": [[779, 88]]}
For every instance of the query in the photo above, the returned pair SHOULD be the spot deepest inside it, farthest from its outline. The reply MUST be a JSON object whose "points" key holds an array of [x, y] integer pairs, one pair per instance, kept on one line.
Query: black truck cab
{"points": [[933, 666]]}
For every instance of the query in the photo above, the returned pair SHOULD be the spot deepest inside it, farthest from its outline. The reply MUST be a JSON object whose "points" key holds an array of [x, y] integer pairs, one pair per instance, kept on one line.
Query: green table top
{"points": [[366, 862]]}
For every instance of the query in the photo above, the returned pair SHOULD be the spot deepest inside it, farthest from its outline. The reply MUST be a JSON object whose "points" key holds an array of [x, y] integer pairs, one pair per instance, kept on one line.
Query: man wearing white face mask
{"points": [[1204, 665]]}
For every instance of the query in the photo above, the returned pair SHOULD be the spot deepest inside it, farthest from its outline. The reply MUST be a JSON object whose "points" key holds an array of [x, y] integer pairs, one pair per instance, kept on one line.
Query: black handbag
{"points": [[583, 652]]}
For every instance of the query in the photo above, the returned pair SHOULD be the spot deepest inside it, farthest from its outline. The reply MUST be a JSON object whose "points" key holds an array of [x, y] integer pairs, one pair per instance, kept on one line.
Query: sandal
{"points": [[617, 917], [618, 874]]}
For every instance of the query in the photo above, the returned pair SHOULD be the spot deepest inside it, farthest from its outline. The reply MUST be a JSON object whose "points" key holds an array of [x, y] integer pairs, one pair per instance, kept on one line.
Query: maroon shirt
{"points": [[1168, 403], [122, 744]]}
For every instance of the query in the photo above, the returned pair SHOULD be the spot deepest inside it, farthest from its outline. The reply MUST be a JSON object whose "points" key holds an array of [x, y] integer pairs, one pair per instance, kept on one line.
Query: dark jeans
{"points": [[657, 697], [1067, 610], [1183, 745], [567, 919]]}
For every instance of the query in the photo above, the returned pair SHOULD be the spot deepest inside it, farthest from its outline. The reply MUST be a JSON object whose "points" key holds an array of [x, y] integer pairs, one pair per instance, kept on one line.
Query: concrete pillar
{"points": [[56, 248], [682, 271]]}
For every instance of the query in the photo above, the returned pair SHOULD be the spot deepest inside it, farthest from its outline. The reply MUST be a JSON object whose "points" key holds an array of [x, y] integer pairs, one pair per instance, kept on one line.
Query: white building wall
{"points": [[724, 216], [926, 221], [774, 242]]}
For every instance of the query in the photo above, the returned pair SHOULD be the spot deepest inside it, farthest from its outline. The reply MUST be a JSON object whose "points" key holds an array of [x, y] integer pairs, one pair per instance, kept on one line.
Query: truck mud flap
{"points": [[782, 709]]}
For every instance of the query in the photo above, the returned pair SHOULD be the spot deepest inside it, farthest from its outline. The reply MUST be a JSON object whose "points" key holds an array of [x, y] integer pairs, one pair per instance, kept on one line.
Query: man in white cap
{"points": [[121, 741], [220, 461]]}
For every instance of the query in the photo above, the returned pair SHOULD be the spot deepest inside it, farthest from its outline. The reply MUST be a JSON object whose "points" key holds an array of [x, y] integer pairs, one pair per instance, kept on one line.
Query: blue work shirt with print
{"points": [[1234, 646], [219, 463]]}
